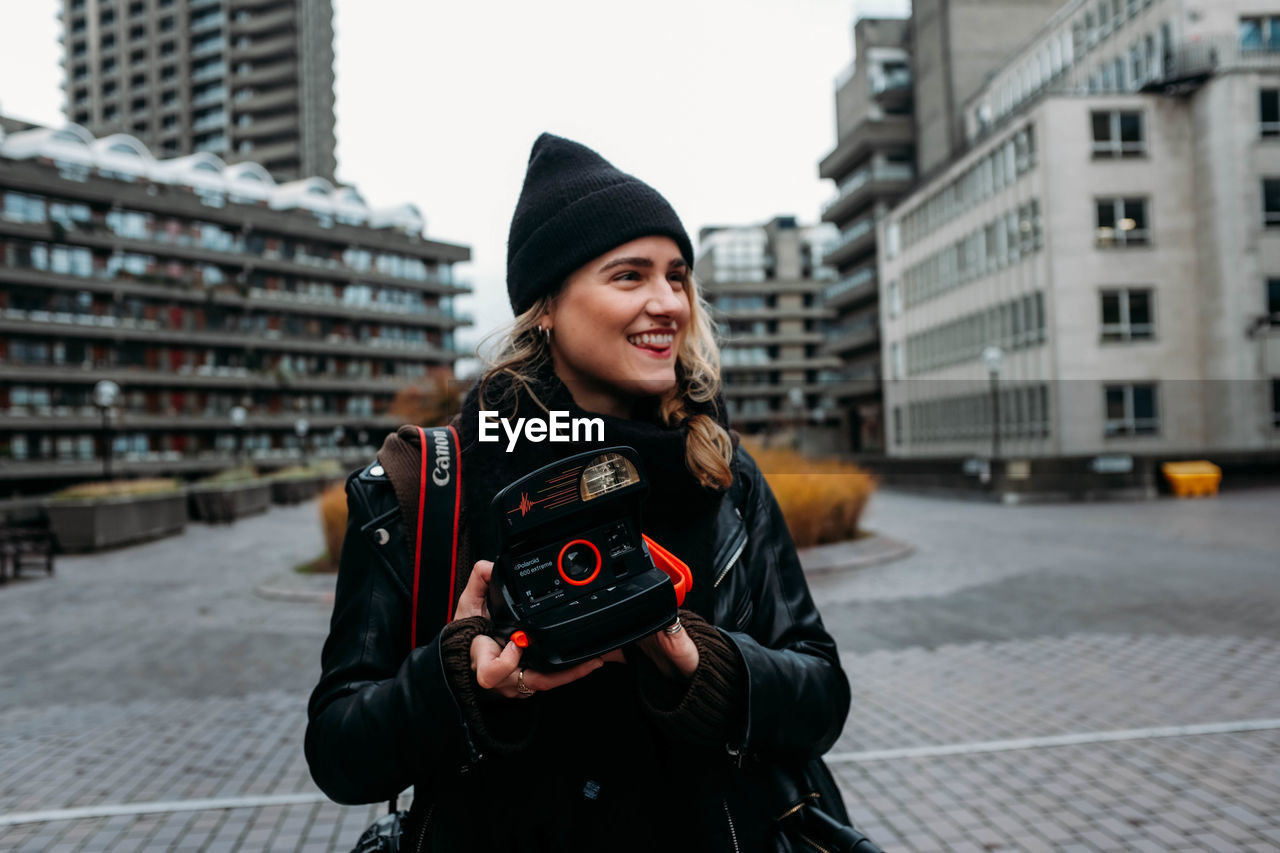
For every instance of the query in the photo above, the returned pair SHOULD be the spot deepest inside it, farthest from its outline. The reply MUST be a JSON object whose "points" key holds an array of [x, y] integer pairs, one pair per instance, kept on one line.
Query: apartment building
{"points": [[764, 285], [898, 115], [247, 80], [1113, 228], [201, 288], [873, 165]]}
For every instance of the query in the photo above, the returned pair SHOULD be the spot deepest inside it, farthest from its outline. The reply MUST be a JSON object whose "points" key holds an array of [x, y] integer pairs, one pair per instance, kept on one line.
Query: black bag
{"points": [[819, 822]]}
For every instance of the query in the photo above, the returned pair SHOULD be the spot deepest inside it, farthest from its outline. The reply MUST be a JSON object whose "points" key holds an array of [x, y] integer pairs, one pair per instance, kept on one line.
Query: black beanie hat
{"points": [[576, 206]]}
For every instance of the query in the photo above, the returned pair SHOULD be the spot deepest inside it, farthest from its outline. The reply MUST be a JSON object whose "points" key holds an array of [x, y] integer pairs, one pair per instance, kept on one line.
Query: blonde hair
{"points": [[524, 350]]}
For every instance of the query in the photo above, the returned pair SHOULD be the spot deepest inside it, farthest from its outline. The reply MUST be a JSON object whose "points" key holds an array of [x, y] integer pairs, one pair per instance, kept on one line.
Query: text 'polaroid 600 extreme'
{"points": [[574, 573]]}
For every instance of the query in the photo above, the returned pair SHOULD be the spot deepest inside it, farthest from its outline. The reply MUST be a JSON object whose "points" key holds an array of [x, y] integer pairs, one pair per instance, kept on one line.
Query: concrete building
{"points": [[955, 44], [899, 114], [872, 166], [764, 285], [199, 288], [1114, 228], [247, 80]]}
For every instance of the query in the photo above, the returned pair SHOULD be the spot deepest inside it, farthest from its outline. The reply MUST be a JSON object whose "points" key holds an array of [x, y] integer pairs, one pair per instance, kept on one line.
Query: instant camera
{"points": [[575, 577]]}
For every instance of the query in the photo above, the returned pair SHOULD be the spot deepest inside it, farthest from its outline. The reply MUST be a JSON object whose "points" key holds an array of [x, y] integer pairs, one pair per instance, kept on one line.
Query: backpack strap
{"points": [[435, 569]]}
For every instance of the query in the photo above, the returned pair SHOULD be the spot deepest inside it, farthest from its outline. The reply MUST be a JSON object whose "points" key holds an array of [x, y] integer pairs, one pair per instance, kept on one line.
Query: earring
{"points": [[546, 334]]}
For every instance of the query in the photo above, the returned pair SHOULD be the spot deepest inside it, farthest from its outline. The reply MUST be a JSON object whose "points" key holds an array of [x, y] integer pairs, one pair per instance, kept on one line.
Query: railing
{"points": [[894, 80], [844, 285], [874, 172]]}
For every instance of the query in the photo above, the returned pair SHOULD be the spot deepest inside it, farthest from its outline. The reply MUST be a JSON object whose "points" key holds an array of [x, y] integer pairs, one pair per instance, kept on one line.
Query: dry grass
{"points": [[333, 518], [822, 499], [108, 489]]}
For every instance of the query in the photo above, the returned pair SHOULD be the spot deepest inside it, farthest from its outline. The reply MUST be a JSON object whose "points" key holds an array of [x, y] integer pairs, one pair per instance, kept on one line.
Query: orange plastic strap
{"points": [[675, 568]]}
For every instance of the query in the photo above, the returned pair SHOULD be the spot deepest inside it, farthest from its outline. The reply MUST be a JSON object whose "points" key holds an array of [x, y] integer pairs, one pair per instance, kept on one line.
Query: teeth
{"points": [[658, 340]]}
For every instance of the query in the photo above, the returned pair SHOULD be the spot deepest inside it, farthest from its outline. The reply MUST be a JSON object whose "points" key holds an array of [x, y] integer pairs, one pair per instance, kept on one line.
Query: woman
{"points": [[695, 738]]}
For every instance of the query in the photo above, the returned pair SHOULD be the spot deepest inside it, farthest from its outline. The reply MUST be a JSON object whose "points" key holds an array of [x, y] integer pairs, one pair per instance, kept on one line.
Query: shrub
{"points": [[821, 499], [230, 477], [108, 489], [319, 468], [333, 518]]}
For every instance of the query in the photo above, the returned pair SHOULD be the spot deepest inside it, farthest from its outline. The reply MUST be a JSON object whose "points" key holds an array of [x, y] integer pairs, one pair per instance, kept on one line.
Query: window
{"points": [[1131, 410], [1127, 315], [1269, 112], [1275, 403], [1123, 221], [1261, 33], [1271, 202], [1273, 299]]}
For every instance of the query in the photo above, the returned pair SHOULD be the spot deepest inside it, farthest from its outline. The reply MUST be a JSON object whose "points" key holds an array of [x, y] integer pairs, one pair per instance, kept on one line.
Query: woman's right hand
{"points": [[497, 668]]}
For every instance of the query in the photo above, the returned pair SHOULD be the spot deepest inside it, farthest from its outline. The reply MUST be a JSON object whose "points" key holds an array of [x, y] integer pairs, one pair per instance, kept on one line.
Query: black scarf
{"points": [[679, 512]]}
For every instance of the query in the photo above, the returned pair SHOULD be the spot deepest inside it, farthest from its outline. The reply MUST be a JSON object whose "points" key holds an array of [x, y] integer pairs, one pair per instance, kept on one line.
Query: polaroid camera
{"points": [[575, 578]]}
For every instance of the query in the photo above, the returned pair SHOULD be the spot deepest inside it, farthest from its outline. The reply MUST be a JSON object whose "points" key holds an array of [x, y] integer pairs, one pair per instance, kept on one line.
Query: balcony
{"points": [[265, 48], [854, 334], [267, 74], [15, 321], [853, 289], [864, 138], [257, 128], [867, 185], [854, 242], [892, 90], [262, 22], [221, 377], [862, 380]]}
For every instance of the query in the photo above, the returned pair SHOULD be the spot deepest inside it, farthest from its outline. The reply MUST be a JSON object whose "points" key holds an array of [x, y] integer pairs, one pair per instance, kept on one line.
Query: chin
{"points": [[656, 386]]}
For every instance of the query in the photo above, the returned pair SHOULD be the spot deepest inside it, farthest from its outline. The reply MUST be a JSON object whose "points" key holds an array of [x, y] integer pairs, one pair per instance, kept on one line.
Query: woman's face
{"points": [[618, 323]]}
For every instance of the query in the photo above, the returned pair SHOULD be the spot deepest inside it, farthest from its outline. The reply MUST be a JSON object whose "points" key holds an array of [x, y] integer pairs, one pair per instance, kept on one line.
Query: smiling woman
{"points": [[725, 711]]}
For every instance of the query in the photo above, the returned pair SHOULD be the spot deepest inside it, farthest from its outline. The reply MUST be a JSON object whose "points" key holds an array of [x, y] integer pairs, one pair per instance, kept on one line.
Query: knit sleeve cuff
{"points": [[708, 710], [496, 725]]}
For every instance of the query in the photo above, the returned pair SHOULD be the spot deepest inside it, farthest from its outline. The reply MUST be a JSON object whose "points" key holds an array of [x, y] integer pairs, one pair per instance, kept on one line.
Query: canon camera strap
{"points": [[435, 553]]}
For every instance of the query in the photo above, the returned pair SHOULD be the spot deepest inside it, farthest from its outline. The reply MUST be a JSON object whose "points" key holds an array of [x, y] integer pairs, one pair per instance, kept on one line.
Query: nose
{"points": [[665, 301]]}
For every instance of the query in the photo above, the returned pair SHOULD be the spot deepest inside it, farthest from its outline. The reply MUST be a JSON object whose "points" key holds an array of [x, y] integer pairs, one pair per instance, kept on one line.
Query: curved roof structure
{"points": [[123, 156]]}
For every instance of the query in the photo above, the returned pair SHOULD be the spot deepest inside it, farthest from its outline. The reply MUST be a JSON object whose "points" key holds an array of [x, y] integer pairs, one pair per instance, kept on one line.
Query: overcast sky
{"points": [[725, 106]]}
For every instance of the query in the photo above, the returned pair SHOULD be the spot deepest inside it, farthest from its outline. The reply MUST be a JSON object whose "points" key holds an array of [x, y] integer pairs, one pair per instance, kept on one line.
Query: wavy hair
{"points": [[523, 351]]}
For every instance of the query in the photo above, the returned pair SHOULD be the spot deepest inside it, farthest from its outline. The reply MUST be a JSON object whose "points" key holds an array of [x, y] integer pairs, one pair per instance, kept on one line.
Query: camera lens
{"points": [[579, 562]]}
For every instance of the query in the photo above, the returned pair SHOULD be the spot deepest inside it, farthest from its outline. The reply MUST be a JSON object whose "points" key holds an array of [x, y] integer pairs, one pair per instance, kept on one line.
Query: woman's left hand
{"points": [[674, 654]]}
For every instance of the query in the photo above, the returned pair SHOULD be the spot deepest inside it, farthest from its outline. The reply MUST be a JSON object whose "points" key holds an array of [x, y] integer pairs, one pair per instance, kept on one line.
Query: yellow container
{"points": [[1192, 479]]}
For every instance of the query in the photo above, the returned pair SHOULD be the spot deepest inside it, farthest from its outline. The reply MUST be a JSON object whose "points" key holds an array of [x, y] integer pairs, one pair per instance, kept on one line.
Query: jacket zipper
{"points": [[733, 559], [733, 833], [426, 824], [815, 845]]}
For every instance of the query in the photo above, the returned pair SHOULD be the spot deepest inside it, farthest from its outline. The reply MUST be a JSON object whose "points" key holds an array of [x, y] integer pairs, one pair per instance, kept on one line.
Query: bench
{"points": [[26, 542]]}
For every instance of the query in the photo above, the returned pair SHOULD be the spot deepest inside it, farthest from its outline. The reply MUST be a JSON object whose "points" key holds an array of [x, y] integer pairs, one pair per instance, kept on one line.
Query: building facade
{"points": [[1114, 229], [199, 288], [247, 80], [899, 115], [873, 165], [764, 286]]}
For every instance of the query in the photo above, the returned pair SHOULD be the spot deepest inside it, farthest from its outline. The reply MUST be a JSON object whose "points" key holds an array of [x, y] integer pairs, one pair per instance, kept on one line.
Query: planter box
{"points": [[297, 490], [225, 504], [94, 525]]}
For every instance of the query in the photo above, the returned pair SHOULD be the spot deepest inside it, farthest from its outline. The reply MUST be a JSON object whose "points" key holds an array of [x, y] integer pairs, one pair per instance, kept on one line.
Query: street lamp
{"points": [[301, 427], [994, 359], [795, 397], [239, 414], [105, 396]]}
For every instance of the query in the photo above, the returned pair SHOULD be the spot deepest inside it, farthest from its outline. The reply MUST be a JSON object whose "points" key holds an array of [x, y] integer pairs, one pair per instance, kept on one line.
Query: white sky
{"points": [[725, 106]]}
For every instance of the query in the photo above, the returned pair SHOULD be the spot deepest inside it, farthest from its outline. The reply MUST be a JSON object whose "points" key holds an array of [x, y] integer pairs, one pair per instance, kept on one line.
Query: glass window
{"points": [[1273, 299], [1127, 315], [1271, 202], [1269, 112], [1131, 410], [1123, 222]]}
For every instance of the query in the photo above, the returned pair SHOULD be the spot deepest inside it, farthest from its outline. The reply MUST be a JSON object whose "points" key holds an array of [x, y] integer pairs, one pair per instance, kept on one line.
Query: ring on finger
{"points": [[522, 688], [673, 628]]}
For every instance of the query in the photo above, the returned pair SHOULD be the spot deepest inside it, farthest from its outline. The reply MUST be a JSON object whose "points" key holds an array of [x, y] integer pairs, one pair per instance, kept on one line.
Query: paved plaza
{"points": [[1089, 677]]}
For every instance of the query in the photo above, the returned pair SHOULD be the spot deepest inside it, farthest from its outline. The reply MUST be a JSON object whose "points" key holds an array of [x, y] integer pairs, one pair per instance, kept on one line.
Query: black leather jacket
{"points": [[383, 717]]}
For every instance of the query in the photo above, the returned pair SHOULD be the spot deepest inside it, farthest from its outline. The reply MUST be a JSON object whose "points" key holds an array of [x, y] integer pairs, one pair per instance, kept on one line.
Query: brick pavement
{"points": [[119, 718]]}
